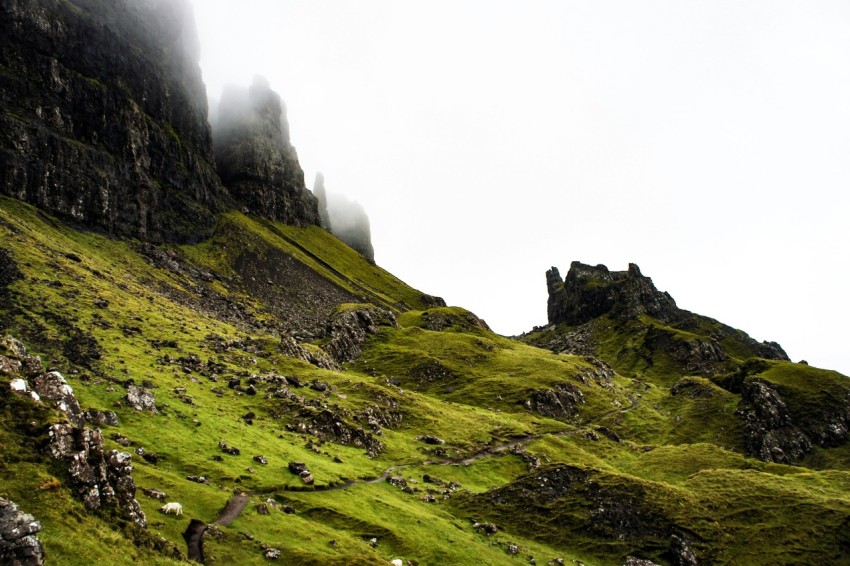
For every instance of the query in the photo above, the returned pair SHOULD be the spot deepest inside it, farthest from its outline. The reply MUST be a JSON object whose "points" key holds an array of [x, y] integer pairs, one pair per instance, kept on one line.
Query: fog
{"points": [[344, 218], [489, 140]]}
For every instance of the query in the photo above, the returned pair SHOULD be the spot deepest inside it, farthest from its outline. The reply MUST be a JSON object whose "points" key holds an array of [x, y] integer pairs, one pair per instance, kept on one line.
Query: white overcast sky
{"points": [[708, 142]]}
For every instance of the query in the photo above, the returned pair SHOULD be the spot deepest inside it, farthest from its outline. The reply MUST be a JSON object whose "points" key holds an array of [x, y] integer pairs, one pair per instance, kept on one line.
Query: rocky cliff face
{"points": [[255, 158], [103, 115], [344, 219], [589, 292]]}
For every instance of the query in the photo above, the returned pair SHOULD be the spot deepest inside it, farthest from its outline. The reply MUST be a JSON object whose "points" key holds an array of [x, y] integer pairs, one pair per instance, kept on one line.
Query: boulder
{"points": [[141, 399], [297, 467], [559, 403], [101, 418], [19, 545], [100, 478], [52, 387]]}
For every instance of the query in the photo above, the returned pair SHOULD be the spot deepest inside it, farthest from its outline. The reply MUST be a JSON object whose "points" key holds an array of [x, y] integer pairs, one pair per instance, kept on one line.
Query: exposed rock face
{"points": [[103, 115], [639, 326], [349, 327], [141, 399], [344, 219], [19, 545], [589, 292], [769, 433], [696, 356], [255, 158], [559, 403], [52, 387], [101, 478]]}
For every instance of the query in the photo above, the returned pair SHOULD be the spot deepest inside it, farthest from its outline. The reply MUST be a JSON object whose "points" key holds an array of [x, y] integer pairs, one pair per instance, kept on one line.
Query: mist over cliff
{"points": [[255, 158], [344, 218], [112, 137]]}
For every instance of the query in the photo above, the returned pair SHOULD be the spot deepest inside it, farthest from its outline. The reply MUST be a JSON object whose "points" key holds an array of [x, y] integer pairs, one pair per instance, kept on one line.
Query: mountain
{"points": [[192, 368], [344, 219]]}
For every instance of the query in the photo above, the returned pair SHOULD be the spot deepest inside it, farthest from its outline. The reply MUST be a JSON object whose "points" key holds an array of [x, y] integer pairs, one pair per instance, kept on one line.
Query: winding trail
{"points": [[485, 452], [195, 531]]}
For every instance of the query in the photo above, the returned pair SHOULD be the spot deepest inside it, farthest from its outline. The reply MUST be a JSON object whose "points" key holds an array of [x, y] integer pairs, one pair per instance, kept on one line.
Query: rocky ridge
{"points": [[592, 301]]}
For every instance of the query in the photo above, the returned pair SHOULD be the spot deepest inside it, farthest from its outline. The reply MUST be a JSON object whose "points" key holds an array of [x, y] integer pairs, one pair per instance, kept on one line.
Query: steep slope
{"points": [[440, 440], [296, 402]]}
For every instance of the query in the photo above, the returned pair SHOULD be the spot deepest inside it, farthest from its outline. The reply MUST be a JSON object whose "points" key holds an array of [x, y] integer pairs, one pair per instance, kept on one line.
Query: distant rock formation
{"points": [[103, 116], [255, 158], [589, 292], [583, 306], [344, 219]]}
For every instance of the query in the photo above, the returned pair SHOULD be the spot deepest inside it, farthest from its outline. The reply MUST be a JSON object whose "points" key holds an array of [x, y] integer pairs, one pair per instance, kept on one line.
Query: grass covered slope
{"points": [[439, 443]]}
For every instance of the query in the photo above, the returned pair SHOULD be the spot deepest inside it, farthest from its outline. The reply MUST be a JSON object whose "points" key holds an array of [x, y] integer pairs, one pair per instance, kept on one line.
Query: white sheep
{"points": [[172, 507]]}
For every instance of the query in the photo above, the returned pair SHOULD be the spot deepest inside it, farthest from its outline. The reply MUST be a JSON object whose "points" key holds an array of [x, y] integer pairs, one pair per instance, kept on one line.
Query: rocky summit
{"points": [[193, 369], [255, 158]]}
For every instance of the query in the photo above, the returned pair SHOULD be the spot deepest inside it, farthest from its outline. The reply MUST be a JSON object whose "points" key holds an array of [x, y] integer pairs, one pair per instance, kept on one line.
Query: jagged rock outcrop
{"points": [[103, 115], [639, 327], [345, 219], [769, 432], [332, 427], [101, 478], [589, 292], [561, 402], [255, 158], [52, 387], [349, 327], [19, 545]]}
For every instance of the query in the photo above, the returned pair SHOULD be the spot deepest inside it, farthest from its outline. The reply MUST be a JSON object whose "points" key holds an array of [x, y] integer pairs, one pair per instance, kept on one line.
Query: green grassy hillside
{"points": [[442, 441]]}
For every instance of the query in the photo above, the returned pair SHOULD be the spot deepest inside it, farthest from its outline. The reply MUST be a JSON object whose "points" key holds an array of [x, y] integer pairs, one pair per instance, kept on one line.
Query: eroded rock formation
{"points": [[770, 433], [103, 115], [19, 544], [255, 158], [589, 292]]}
